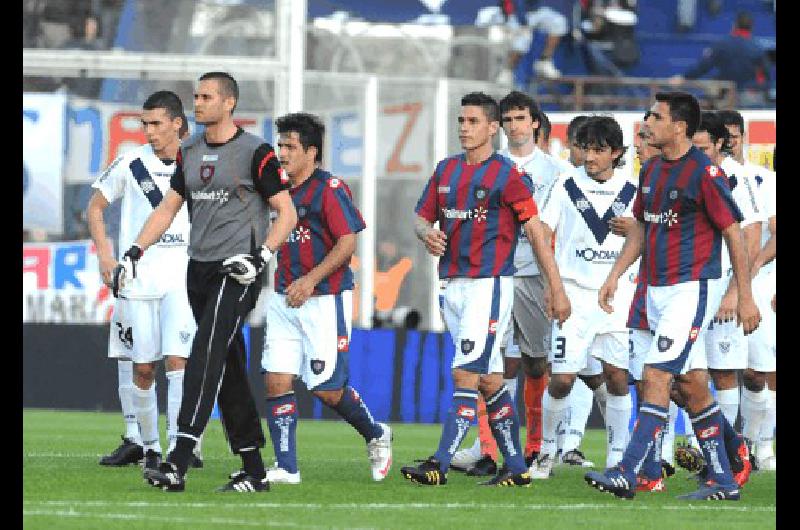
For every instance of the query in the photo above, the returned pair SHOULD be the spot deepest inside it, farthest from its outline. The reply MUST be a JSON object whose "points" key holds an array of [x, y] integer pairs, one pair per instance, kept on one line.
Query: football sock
{"points": [[198, 446], [553, 411], [355, 412], [618, 416], [729, 403], [456, 425], [709, 429], [505, 427], [144, 401], [601, 395], [252, 463], [651, 468], [534, 389], [126, 386], [668, 435], [282, 421], [646, 431], [732, 442], [574, 424], [487, 444], [511, 386], [691, 440], [767, 432], [174, 395], [754, 410]]}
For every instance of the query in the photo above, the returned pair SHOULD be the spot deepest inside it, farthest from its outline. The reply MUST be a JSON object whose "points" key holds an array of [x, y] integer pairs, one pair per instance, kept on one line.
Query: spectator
{"points": [[85, 37], [551, 16], [605, 38], [735, 58]]}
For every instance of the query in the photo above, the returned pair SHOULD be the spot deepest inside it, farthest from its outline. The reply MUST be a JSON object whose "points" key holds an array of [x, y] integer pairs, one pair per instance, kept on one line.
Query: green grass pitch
{"points": [[64, 487]]}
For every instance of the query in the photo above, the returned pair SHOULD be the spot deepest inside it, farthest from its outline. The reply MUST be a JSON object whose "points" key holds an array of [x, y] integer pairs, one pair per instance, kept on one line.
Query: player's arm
{"points": [[97, 229], [435, 240], [159, 221], [769, 252], [747, 312], [727, 306], [631, 250], [282, 226], [539, 234]]}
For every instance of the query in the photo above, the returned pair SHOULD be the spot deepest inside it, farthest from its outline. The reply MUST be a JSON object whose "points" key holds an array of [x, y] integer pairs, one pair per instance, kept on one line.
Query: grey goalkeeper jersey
{"points": [[226, 187]]}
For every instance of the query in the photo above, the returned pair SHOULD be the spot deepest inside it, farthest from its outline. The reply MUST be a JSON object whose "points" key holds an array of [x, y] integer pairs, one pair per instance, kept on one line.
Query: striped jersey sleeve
{"points": [[340, 213]]}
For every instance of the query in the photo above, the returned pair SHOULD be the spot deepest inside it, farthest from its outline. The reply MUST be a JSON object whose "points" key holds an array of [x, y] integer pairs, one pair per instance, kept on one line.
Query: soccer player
{"points": [[152, 319], [759, 379], [309, 317], [479, 200], [684, 209], [578, 210], [229, 178], [530, 326]]}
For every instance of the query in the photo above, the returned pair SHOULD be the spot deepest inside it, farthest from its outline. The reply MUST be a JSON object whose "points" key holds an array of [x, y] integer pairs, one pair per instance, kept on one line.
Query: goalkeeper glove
{"points": [[244, 268], [125, 269]]}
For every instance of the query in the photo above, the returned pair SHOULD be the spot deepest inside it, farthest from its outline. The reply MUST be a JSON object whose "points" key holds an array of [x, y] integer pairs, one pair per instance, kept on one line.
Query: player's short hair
{"points": [[228, 87], [519, 100], [602, 131], [712, 123], [485, 101], [545, 128], [732, 117], [744, 20], [167, 100], [184, 126], [309, 128], [682, 107], [574, 125]]}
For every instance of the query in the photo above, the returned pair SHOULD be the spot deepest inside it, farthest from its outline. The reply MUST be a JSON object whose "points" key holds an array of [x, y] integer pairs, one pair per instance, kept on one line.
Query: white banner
{"points": [[43, 122]]}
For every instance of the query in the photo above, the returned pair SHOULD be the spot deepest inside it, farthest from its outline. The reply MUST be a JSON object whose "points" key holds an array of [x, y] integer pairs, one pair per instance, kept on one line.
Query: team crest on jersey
{"points": [[481, 193], [301, 211], [694, 333], [724, 347], [492, 327], [664, 343], [467, 346], [582, 205], [334, 182], [185, 336], [618, 208], [147, 185], [317, 366], [342, 344], [712, 171], [206, 173], [674, 194]]}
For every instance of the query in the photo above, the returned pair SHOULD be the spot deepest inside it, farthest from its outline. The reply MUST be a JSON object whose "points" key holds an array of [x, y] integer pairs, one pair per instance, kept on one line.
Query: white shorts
{"points": [[529, 320], [640, 343], [761, 342], [145, 331], [477, 312], [589, 333], [726, 347], [311, 341], [678, 314]]}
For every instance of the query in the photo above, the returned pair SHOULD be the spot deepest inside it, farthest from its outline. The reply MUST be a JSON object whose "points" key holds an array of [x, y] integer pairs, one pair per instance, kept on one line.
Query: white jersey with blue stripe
{"points": [[578, 211], [764, 180], [744, 193], [543, 170], [141, 180]]}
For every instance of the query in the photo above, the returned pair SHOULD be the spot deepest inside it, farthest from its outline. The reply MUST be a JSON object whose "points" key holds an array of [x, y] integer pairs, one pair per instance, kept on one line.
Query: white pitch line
{"points": [[400, 506]]}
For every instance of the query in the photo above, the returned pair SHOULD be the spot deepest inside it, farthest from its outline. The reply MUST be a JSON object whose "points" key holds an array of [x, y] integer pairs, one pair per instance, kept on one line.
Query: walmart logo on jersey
{"points": [[668, 218], [478, 214]]}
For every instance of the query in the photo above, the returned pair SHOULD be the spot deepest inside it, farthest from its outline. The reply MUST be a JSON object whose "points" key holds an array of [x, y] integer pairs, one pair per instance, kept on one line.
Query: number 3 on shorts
{"points": [[560, 348]]}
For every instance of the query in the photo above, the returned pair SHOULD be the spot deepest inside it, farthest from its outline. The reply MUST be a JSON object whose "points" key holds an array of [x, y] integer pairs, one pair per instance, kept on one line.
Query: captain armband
{"points": [[525, 209]]}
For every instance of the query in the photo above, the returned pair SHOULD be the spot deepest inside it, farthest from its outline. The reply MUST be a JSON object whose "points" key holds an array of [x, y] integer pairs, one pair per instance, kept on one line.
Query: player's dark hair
{"points": [[545, 127], [712, 123], [682, 107], [574, 125], [309, 128], [519, 100], [744, 20], [485, 101], [228, 87], [167, 100], [732, 117], [602, 131], [184, 126]]}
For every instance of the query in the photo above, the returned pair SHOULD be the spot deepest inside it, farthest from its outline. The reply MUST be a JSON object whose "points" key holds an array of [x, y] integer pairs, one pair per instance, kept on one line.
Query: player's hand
{"points": [[621, 225], [435, 242], [748, 315], [245, 268], [605, 297], [106, 266], [125, 269], [558, 306], [727, 308], [299, 291]]}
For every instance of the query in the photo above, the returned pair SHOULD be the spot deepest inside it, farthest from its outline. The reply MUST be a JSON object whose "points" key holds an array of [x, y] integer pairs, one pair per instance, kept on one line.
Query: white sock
{"points": [[147, 415], [754, 410], [729, 404], [618, 416], [691, 439], [668, 439], [174, 395], [552, 413], [511, 385], [197, 446], [580, 402], [125, 387], [601, 395], [767, 433]]}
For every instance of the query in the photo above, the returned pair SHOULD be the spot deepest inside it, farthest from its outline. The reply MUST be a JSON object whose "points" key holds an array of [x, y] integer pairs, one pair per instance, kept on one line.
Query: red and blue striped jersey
{"points": [[480, 207], [685, 204], [325, 212]]}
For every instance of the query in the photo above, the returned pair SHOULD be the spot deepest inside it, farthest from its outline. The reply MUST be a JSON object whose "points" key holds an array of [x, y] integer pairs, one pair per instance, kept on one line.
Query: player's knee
{"points": [[534, 367], [277, 384], [174, 363], [723, 379], [144, 374], [676, 396], [616, 380], [754, 381], [560, 385], [330, 398], [510, 368]]}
